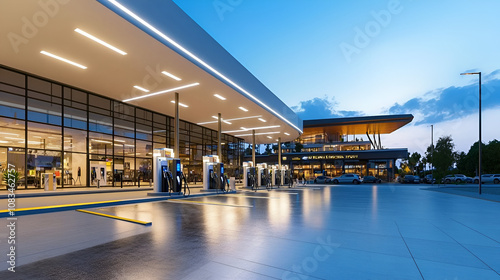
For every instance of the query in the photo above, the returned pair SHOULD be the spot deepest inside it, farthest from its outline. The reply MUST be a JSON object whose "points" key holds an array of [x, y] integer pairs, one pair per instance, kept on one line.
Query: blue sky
{"points": [[350, 58]]}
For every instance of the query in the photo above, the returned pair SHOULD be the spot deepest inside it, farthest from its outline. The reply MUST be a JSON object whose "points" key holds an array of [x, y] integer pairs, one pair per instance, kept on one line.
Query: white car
{"points": [[488, 179], [347, 178]]}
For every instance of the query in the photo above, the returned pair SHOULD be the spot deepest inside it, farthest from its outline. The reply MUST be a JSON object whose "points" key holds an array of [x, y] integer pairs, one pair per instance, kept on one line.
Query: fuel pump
{"points": [[212, 177], [166, 179], [288, 178], [250, 175], [277, 177], [263, 176]]}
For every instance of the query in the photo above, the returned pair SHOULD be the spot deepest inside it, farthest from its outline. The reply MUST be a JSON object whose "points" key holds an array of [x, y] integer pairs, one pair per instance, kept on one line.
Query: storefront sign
{"points": [[332, 157]]}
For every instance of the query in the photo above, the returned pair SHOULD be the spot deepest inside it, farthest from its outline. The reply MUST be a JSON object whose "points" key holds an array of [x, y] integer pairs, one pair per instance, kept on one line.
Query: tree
{"points": [[268, 150], [403, 167], [463, 164], [444, 156], [468, 163], [491, 157], [298, 147], [248, 150], [414, 161]]}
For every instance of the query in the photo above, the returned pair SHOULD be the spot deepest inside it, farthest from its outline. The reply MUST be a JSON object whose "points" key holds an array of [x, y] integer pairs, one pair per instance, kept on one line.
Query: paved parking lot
{"points": [[386, 231]]}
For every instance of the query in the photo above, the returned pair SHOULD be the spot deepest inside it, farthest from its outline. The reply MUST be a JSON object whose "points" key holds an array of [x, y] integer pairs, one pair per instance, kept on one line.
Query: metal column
{"points": [[279, 153], [219, 138], [253, 148]]}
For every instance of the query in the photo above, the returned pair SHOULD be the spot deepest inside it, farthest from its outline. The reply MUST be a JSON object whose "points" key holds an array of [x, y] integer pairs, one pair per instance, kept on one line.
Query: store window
{"points": [[75, 140], [75, 169]]}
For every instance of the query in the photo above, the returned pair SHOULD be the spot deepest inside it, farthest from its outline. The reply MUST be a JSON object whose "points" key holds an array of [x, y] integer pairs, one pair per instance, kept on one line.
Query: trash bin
{"points": [[232, 183], [49, 181]]}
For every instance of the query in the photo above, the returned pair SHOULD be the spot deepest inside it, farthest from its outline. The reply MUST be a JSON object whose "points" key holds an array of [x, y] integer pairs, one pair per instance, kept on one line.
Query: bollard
{"points": [[98, 183]]}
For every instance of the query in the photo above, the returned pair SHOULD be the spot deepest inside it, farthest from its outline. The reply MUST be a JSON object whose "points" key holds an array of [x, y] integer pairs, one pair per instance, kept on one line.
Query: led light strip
{"points": [[97, 40], [63, 59], [235, 119], [159, 33], [160, 92], [171, 75], [220, 96], [180, 104], [141, 88], [262, 133]]}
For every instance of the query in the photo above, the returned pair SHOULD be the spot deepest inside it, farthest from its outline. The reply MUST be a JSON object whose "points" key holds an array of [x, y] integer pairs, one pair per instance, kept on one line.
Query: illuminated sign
{"points": [[334, 157], [323, 157]]}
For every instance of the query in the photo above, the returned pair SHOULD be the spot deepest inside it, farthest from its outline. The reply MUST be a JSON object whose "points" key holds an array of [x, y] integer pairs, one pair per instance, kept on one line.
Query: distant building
{"points": [[344, 145]]}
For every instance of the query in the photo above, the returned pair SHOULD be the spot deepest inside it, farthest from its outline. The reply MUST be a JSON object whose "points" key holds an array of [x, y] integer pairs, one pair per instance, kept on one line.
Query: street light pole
{"points": [[480, 140], [432, 153]]}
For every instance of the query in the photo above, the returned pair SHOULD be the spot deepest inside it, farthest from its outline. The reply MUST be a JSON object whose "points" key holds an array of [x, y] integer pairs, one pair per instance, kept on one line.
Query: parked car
{"points": [[455, 178], [428, 179], [347, 178], [322, 180], [488, 179], [371, 179], [416, 179], [408, 179]]}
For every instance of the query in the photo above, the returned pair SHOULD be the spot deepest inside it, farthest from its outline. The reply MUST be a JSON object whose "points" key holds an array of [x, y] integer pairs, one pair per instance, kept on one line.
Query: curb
{"points": [[86, 205], [41, 194]]}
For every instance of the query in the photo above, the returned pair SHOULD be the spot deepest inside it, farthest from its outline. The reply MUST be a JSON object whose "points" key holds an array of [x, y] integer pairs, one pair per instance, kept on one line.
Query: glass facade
{"points": [[86, 139]]}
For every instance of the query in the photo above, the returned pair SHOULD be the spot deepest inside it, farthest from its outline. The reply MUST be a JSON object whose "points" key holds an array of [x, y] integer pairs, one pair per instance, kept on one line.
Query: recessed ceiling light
{"points": [[263, 133], [243, 109], [180, 104], [194, 57], [95, 39], [262, 120], [63, 59], [235, 119], [286, 133], [171, 75], [217, 118], [220, 97], [160, 92], [140, 88], [252, 128], [269, 137]]}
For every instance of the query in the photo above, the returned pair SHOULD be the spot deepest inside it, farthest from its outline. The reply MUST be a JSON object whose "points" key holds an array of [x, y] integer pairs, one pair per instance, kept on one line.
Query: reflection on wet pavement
{"points": [[342, 232]]}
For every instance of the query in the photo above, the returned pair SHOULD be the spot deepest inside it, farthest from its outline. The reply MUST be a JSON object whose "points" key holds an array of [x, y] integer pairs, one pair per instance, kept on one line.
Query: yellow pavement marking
{"points": [[252, 196], [58, 206], [206, 203], [116, 217]]}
